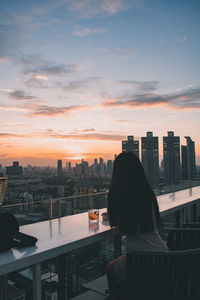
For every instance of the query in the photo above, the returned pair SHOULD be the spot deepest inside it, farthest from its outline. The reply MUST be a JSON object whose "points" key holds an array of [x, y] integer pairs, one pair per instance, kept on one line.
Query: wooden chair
{"points": [[183, 239], [170, 275]]}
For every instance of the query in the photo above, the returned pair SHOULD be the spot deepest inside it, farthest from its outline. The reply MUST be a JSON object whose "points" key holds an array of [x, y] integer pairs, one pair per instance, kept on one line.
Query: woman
{"points": [[133, 208]]}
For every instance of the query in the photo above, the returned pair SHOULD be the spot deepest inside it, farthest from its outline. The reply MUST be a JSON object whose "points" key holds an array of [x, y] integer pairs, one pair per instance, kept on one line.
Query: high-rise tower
{"points": [[188, 159], [150, 158], [131, 145], [171, 149], [59, 168]]}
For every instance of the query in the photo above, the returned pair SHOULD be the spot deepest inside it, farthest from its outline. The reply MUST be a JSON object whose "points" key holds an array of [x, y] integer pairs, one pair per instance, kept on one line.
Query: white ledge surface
{"points": [[62, 235]]}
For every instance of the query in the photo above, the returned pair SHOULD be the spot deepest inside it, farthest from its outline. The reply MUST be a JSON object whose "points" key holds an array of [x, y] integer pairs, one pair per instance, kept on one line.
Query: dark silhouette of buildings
{"points": [[109, 166], [150, 158], [59, 168], [188, 159], [131, 145], [15, 171], [171, 149]]}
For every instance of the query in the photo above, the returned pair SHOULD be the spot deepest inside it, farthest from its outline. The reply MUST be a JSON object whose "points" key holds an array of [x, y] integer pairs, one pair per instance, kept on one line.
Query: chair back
{"points": [[182, 239], [168, 275], [191, 225]]}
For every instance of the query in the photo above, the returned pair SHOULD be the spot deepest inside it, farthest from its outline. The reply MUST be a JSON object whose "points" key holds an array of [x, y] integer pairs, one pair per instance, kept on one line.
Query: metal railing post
{"points": [[60, 209], [62, 293], [3, 287], [50, 209], [37, 288]]}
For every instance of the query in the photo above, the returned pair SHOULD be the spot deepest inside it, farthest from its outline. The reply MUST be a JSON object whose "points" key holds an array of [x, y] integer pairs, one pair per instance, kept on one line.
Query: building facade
{"points": [[188, 159], [171, 154], [131, 145], [59, 168], [150, 158]]}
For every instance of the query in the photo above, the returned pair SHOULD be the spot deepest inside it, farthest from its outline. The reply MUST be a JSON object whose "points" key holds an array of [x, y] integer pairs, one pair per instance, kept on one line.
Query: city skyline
{"points": [[128, 144], [78, 77]]}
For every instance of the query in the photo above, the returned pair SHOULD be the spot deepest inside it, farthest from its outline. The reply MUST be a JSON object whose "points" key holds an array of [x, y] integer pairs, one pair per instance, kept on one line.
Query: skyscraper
{"points": [[109, 166], [15, 171], [59, 168], [188, 159], [150, 158], [171, 149], [184, 162], [101, 165], [131, 145]]}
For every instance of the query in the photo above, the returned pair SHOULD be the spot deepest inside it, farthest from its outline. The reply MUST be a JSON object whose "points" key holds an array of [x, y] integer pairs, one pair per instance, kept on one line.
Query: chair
{"points": [[164, 276], [182, 239], [191, 225]]}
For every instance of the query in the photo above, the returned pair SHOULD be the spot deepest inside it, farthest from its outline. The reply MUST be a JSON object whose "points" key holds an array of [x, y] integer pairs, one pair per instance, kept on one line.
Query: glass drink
{"points": [[93, 215]]}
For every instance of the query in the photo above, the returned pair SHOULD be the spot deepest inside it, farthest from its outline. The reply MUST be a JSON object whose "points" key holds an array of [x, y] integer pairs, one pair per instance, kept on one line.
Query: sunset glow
{"points": [[77, 77]]}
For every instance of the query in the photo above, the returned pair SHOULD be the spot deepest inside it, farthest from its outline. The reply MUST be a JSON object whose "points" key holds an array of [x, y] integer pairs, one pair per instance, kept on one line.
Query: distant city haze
{"points": [[78, 77]]}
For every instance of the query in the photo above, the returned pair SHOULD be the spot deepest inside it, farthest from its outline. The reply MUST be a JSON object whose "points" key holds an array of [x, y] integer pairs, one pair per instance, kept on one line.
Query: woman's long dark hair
{"points": [[131, 200]]}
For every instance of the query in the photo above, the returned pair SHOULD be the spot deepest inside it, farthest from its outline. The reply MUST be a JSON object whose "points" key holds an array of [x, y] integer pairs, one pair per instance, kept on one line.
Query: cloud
{"points": [[181, 39], [36, 83], [14, 108], [91, 8], [188, 99], [81, 84], [120, 52], [89, 130], [84, 136], [35, 109], [10, 135], [50, 69], [83, 31], [139, 85], [11, 34], [20, 95], [52, 111]]}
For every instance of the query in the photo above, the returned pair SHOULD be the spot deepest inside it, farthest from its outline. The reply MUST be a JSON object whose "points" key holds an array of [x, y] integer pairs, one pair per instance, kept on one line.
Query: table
{"points": [[55, 238]]}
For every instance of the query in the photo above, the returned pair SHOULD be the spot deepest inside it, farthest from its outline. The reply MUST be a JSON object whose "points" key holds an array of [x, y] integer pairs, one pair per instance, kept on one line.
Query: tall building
{"points": [[15, 171], [171, 154], [101, 165], [184, 162], [3, 188], [109, 166], [188, 159], [59, 168], [150, 158], [131, 145]]}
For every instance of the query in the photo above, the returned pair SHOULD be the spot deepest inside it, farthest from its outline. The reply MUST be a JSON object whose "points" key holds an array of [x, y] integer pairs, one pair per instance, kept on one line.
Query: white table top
{"points": [[170, 201], [55, 237], [59, 236]]}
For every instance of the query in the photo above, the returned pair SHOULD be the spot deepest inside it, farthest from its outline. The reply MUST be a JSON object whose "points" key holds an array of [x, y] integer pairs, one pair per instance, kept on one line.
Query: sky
{"points": [[78, 76]]}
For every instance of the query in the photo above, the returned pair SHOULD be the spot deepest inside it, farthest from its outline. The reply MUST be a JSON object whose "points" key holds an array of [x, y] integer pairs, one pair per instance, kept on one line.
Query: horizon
{"points": [[79, 76]]}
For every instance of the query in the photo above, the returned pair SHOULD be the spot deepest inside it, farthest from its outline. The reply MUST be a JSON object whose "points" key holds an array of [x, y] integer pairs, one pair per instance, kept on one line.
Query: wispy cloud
{"points": [[4, 135], [11, 33], [91, 8], [84, 136], [50, 69], [83, 31], [35, 109], [52, 111], [181, 39], [120, 52], [20, 95], [139, 85], [34, 82], [81, 84], [188, 99]]}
